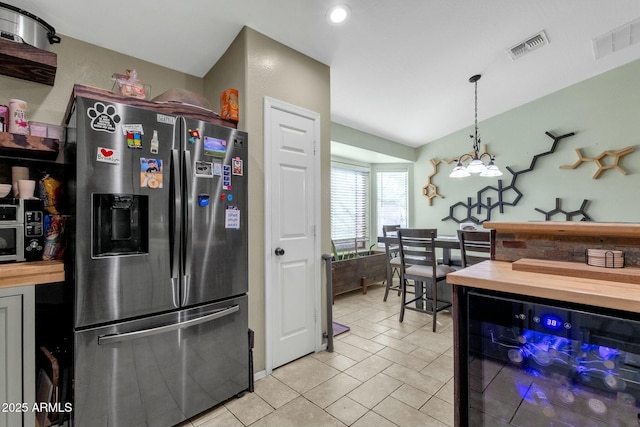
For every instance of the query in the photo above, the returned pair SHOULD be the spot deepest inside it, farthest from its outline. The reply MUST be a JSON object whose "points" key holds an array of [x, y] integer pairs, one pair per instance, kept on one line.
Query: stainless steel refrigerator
{"points": [[159, 261]]}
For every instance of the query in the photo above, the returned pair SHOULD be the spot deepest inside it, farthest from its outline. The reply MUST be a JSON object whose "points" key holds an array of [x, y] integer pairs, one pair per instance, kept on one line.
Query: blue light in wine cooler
{"points": [[552, 322]]}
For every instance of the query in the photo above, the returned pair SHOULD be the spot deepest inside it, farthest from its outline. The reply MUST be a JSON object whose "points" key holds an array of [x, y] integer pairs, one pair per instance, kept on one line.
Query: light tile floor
{"points": [[381, 373]]}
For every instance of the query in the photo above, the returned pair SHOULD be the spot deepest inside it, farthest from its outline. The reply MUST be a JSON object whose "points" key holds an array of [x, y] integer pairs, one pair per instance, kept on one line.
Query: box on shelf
{"points": [[55, 132], [46, 130], [38, 129]]}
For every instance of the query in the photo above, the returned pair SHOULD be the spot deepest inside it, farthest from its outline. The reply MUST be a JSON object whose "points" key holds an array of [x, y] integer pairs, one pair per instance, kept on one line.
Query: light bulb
{"points": [[459, 171], [476, 166], [338, 14], [491, 170]]}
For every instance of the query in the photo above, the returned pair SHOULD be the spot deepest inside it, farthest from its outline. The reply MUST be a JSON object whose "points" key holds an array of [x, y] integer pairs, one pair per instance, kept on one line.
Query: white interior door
{"points": [[292, 135]]}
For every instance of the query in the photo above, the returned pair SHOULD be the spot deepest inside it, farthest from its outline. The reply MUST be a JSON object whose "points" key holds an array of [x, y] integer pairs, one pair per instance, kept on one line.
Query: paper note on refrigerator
{"points": [[232, 217]]}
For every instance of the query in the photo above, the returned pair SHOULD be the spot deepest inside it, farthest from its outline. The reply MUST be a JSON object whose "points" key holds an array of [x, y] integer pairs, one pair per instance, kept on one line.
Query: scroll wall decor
{"points": [[503, 196]]}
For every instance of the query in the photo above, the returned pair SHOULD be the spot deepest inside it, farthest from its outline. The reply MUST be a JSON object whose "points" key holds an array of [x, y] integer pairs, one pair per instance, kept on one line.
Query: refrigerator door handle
{"points": [[177, 214], [176, 207], [188, 212], [127, 336]]}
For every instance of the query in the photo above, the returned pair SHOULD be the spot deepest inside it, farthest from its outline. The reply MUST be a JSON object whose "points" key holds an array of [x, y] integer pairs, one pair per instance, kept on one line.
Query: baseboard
{"points": [[259, 375], [262, 374]]}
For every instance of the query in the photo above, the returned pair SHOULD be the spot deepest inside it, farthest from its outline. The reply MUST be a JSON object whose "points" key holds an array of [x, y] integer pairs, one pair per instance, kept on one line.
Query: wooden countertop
{"points": [[499, 276], [569, 228], [31, 273], [628, 275]]}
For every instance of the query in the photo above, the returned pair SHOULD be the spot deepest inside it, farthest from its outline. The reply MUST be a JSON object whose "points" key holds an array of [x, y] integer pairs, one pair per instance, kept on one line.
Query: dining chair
{"points": [[419, 264], [476, 246], [393, 259]]}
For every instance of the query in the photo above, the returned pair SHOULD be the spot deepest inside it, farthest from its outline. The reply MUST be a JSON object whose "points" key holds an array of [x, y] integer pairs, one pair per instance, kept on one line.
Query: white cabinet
{"points": [[17, 353]]}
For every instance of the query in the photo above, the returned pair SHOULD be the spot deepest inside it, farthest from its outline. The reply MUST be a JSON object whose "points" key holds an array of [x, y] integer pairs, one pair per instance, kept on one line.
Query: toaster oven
{"points": [[21, 230]]}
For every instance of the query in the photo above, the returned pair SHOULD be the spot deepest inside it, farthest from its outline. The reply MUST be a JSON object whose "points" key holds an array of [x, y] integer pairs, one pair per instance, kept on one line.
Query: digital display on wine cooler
{"points": [[552, 322]]}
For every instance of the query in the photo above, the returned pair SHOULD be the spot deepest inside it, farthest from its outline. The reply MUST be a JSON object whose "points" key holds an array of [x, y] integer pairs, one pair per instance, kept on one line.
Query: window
{"points": [[392, 198], [349, 206]]}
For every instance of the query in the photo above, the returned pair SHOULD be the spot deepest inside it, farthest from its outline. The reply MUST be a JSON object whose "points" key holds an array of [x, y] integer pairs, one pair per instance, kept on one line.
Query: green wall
{"points": [[86, 64], [604, 113], [367, 141]]}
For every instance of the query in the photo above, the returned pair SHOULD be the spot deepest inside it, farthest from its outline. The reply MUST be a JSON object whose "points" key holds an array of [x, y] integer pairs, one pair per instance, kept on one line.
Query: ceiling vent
{"points": [[618, 39], [532, 43]]}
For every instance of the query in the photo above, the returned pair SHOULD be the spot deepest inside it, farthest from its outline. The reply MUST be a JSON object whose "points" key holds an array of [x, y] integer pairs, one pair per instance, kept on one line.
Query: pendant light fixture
{"points": [[477, 165]]}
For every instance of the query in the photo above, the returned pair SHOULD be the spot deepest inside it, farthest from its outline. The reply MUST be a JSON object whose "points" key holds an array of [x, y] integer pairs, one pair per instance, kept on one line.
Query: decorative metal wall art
{"points": [[567, 214], [598, 160], [505, 196]]}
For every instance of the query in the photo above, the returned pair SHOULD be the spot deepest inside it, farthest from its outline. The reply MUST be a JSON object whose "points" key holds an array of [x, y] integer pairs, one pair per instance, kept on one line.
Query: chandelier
{"points": [[476, 165]]}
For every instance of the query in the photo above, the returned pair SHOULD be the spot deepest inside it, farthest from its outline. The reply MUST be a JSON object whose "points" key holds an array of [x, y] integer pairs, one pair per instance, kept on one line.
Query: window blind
{"points": [[392, 201], [349, 207]]}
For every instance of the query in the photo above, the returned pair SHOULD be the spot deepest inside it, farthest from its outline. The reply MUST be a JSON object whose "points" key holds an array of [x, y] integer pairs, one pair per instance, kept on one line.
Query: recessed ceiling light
{"points": [[338, 14]]}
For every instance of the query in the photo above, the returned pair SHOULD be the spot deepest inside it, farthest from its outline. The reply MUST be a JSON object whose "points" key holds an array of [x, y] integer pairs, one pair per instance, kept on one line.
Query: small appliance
{"points": [[533, 362], [21, 230], [18, 25]]}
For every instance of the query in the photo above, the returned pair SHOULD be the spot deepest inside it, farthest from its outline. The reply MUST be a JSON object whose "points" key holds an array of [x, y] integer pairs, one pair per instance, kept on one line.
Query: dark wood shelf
{"points": [[26, 62], [28, 146]]}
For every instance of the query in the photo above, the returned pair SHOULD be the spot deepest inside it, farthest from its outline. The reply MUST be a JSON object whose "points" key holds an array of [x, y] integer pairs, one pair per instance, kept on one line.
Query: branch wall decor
{"points": [[568, 214], [504, 196], [616, 154]]}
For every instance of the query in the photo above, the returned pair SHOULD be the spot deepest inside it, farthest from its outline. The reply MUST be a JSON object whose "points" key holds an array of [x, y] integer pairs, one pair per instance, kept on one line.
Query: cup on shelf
{"points": [[19, 172], [26, 188]]}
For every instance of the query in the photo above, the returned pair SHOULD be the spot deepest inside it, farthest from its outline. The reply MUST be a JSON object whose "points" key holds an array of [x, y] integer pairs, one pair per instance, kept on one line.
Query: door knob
{"points": [[279, 251]]}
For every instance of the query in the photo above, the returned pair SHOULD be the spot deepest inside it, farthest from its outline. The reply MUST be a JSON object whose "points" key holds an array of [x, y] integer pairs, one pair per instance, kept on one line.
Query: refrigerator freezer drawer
{"points": [[161, 370]]}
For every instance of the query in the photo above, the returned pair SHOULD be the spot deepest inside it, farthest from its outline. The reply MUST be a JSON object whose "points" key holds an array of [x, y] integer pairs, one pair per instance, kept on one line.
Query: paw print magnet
{"points": [[104, 118]]}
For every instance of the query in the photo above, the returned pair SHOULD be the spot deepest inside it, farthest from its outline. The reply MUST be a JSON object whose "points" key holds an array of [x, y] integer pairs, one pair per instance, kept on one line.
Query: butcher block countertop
{"points": [[31, 273], [500, 276]]}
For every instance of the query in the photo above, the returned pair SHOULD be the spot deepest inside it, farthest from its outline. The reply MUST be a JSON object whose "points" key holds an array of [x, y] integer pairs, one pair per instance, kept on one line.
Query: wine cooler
{"points": [[534, 362]]}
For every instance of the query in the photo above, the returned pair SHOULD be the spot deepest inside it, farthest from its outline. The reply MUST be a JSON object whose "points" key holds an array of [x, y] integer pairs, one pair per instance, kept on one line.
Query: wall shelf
{"points": [[26, 62], [568, 228], [28, 146]]}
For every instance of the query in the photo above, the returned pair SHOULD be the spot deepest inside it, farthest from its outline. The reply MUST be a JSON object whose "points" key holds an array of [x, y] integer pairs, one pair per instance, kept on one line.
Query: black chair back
{"points": [[476, 246], [390, 230], [417, 248], [419, 263]]}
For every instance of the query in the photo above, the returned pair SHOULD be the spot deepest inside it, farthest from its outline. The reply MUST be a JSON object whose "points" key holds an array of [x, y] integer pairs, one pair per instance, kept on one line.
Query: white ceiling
{"points": [[399, 69]]}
